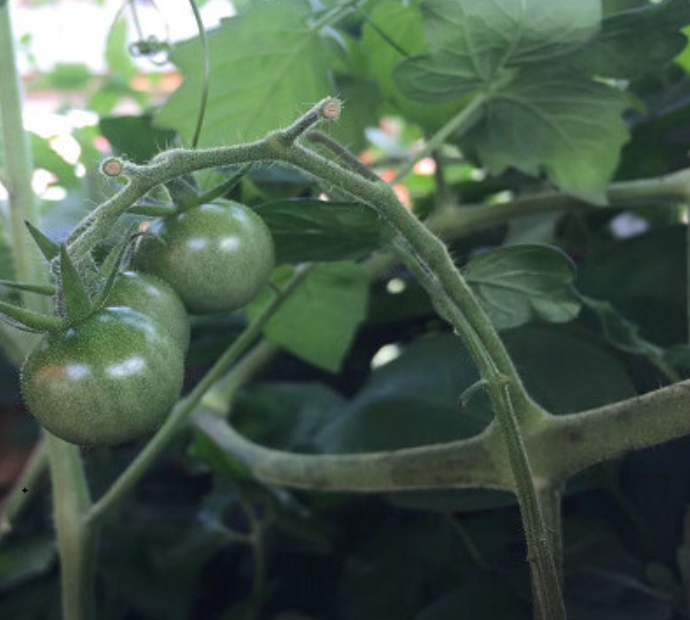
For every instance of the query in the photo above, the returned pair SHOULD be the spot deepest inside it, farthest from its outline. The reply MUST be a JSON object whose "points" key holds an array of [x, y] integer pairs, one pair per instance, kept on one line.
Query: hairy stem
{"points": [[460, 464], [589, 437], [18, 160], [76, 539]]}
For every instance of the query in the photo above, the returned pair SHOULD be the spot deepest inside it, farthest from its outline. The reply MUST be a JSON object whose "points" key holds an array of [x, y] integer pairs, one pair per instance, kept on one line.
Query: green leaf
{"points": [[557, 121], [267, 65], [645, 278], [391, 32], [72, 290], [7, 268], [567, 370], [411, 401], [320, 319], [523, 283], [117, 55], [314, 230], [135, 137], [472, 43], [47, 158], [21, 561], [488, 597], [635, 42], [620, 332], [285, 415]]}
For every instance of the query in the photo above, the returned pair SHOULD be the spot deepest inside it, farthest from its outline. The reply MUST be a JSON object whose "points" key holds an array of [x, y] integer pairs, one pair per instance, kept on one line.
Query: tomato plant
{"points": [[108, 380], [478, 317], [216, 256]]}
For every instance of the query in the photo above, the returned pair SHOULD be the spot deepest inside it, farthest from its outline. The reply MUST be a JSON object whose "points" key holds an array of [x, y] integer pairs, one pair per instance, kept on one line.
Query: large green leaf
{"points": [[413, 400], [267, 66], [553, 120], [134, 137], [285, 415], [320, 319], [645, 279], [636, 41], [391, 33], [486, 596], [471, 42], [313, 230], [521, 283]]}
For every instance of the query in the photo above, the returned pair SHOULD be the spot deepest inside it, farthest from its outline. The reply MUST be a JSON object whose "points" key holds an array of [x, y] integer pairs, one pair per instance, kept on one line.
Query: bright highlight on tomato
{"points": [[217, 257], [108, 380]]}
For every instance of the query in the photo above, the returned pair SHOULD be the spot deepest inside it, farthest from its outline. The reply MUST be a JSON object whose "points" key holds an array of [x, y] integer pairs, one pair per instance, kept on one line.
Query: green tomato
{"points": [[216, 256], [153, 297], [109, 379]]}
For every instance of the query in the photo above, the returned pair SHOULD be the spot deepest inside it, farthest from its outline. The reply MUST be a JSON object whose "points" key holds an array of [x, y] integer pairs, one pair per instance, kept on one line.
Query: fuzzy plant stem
{"points": [[70, 494], [76, 537], [451, 294]]}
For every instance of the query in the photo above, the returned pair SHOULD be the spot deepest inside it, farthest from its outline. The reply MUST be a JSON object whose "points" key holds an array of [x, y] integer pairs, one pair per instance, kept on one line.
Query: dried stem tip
{"points": [[331, 108], [112, 167]]}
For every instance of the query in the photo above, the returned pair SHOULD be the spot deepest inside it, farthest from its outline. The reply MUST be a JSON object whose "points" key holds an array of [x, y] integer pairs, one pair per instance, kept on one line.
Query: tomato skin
{"points": [[107, 380], [216, 256], [155, 298]]}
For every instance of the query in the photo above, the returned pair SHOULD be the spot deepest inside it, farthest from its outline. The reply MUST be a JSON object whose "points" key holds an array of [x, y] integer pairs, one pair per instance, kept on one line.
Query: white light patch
{"points": [[386, 354], [229, 244], [196, 243], [129, 367], [396, 286], [67, 147], [77, 371]]}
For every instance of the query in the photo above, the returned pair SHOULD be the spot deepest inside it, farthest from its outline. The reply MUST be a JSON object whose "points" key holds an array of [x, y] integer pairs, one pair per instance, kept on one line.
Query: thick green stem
{"points": [[76, 538], [18, 161], [70, 492], [570, 443], [460, 464]]}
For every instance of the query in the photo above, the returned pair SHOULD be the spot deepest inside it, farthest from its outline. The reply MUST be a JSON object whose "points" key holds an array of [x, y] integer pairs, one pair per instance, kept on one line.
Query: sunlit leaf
{"points": [[268, 65]]}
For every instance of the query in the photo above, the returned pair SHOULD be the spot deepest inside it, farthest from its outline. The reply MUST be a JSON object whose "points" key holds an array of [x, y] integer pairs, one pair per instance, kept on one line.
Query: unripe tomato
{"points": [[153, 297], [107, 380], [216, 256]]}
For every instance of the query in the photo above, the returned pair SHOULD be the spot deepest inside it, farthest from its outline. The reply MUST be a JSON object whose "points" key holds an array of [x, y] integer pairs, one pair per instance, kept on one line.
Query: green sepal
{"points": [[152, 210], [48, 247], [40, 289], [72, 292], [111, 267], [28, 320], [226, 186], [183, 192]]}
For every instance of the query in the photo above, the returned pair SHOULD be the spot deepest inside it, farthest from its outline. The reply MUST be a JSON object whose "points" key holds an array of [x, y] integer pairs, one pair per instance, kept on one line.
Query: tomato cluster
{"points": [[113, 376]]}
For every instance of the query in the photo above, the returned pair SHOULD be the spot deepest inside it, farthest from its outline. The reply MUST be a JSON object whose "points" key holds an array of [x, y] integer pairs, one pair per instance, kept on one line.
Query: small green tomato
{"points": [[107, 380], [216, 256]]}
